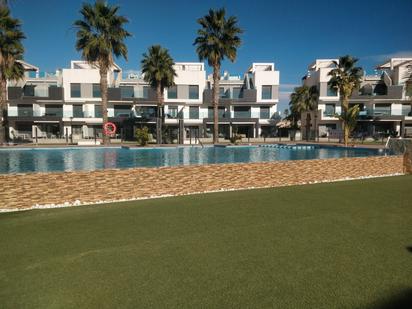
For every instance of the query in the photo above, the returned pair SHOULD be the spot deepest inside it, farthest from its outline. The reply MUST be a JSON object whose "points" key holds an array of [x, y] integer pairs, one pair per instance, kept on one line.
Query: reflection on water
{"points": [[69, 159]]}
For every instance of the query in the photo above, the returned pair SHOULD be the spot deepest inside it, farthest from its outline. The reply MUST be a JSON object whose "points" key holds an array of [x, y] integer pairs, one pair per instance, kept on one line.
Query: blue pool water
{"points": [[69, 159]]}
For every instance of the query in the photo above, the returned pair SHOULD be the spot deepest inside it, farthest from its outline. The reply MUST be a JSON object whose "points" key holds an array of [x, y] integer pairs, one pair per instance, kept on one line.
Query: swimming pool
{"points": [[29, 160]]}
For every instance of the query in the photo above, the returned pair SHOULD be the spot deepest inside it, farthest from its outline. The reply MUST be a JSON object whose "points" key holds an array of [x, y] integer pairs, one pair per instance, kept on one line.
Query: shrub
{"points": [[142, 136], [235, 138]]}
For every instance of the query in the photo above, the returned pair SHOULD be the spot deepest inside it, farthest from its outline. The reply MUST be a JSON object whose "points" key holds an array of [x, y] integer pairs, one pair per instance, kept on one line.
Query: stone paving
{"points": [[20, 191]]}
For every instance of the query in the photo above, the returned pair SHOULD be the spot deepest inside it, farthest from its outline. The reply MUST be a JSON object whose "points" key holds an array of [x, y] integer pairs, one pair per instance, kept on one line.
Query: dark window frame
{"points": [[96, 91], [196, 114], [76, 114], [196, 94], [173, 92], [264, 94], [74, 91], [264, 112]]}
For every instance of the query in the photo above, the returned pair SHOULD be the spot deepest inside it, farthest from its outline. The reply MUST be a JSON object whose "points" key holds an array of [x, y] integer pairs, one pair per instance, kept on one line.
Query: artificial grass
{"points": [[337, 245]]}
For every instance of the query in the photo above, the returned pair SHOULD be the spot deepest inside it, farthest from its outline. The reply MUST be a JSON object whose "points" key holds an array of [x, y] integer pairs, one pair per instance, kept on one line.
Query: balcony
{"points": [[246, 95], [242, 114], [394, 92], [18, 93], [377, 113], [224, 116]]}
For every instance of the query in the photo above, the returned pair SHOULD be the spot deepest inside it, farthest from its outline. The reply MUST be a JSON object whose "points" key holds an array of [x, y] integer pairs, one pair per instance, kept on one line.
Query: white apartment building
{"points": [[68, 103], [384, 99]]}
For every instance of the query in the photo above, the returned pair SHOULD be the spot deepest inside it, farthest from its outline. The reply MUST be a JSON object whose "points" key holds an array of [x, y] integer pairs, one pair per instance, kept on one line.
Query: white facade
{"points": [[383, 98], [68, 103]]}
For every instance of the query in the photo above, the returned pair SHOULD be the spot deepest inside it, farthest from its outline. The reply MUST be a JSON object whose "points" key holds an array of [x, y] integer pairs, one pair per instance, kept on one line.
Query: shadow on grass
{"points": [[409, 249], [400, 300]]}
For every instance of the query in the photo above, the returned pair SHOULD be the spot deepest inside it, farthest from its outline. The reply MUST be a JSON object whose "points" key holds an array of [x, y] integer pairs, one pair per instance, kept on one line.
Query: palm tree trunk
{"points": [[345, 107], [216, 81], [308, 123], [160, 114], [104, 95], [345, 134], [3, 107]]}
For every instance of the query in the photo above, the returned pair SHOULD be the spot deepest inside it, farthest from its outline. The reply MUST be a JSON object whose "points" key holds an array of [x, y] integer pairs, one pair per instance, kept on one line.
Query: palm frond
{"points": [[345, 77], [218, 38], [157, 67], [11, 46], [101, 33]]}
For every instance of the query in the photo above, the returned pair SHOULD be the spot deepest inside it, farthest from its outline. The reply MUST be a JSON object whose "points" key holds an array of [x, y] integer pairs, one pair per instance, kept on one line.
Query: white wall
{"points": [[12, 110], [263, 78], [67, 110], [324, 75], [255, 112], [82, 76], [396, 109], [187, 77]]}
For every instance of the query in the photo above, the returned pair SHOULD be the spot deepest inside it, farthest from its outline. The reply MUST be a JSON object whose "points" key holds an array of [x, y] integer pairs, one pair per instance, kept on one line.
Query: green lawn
{"points": [[337, 245]]}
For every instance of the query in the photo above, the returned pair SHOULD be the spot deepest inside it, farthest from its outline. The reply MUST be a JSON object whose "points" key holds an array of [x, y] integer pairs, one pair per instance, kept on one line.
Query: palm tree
{"points": [[218, 38], [350, 118], [345, 78], [303, 99], [158, 71], [100, 36], [11, 50]]}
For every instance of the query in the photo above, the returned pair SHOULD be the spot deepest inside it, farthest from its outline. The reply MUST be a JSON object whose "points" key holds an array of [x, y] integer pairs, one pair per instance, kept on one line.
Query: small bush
{"points": [[235, 138], [142, 136]]}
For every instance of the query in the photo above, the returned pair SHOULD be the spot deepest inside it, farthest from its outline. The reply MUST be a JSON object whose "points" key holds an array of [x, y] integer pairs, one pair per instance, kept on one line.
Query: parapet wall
{"points": [[28, 190]]}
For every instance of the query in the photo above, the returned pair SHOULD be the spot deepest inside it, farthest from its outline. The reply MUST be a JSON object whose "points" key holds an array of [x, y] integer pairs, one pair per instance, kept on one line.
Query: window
{"points": [[96, 91], [221, 112], [24, 110], [408, 88], [145, 112], [264, 112], [145, 92], [54, 110], [75, 90], [330, 126], [172, 92], [173, 112], [382, 110], [98, 111], [41, 91], [406, 110], [78, 111], [266, 92], [236, 93], [193, 92], [242, 111], [329, 110], [122, 110], [193, 112], [222, 93], [331, 92], [127, 91], [77, 130], [28, 90]]}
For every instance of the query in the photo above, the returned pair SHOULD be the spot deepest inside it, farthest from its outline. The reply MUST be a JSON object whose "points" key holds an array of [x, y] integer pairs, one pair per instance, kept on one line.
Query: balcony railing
{"points": [[246, 95], [52, 93], [242, 114], [220, 117], [329, 114]]}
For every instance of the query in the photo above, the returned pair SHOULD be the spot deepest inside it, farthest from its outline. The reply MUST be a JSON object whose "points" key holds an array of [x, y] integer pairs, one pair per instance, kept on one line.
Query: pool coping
{"points": [[87, 187], [78, 203]]}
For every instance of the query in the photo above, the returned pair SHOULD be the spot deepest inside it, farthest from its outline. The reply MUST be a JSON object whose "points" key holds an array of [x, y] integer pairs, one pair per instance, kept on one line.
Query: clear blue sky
{"points": [[290, 33]]}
